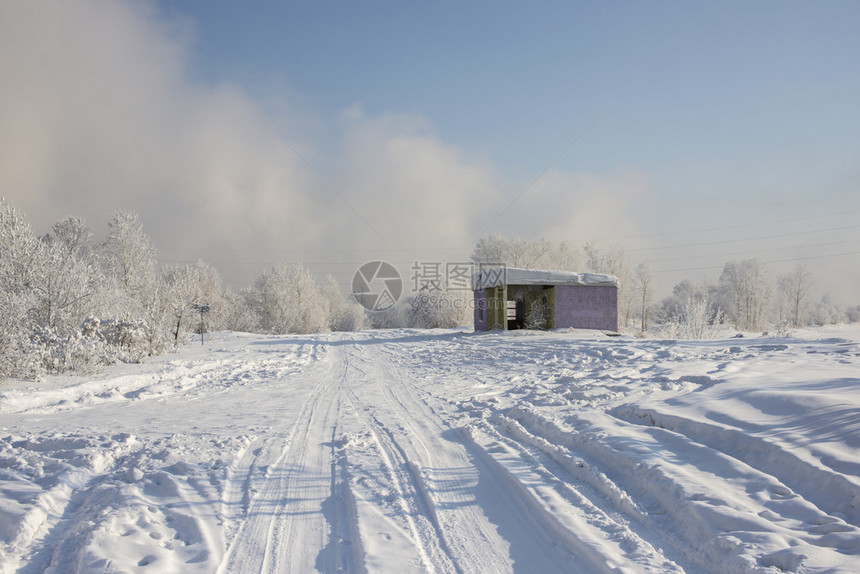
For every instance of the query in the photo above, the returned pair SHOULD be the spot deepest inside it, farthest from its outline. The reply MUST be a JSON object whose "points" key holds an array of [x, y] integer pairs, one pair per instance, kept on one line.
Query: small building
{"points": [[511, 298]]}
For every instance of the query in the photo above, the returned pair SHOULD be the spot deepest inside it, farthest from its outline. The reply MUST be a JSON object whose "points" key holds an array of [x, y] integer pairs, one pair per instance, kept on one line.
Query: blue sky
{"points": [[693, 132], [517, 81], [743, 101]]}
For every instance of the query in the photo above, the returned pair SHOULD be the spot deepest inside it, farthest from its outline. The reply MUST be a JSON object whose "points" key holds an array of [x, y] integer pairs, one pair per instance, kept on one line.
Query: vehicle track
{"points": [[290, 477], [440, 455], [417, 509]]}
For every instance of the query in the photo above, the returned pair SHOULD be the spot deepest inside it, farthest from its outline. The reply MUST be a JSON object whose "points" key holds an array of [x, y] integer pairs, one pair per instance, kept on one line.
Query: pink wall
{"points": [[481, 304], [586, 307]]}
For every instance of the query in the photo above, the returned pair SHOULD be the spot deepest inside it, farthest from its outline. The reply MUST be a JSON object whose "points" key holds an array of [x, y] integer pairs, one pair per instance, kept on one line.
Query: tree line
{"points": [[744, 297], [70, 303]]}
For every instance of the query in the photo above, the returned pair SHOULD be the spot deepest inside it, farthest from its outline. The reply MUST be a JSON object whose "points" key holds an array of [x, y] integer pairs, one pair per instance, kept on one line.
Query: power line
{"points": [[542, 173], [769, 261], [745, 239], [747, 252], [727, 227]]}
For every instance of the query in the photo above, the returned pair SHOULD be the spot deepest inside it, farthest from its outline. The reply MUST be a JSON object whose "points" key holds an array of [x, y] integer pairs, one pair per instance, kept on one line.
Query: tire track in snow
{"points": [[602, 504], [599, 507], [284, 529], [829, 491], [793, 499], [481, 528], [415, 508], [708, 509]]}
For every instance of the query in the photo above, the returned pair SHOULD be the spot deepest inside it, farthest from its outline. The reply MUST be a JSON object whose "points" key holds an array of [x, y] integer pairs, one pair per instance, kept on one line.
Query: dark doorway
{"points": [[516, 314]]}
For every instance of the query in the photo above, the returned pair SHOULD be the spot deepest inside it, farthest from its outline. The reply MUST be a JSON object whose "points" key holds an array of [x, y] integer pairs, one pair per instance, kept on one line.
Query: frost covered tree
{"points": [[517, 252], [19, 255], [795, 288], [19, 250], [288, 300], [189, 285], [130, 295], [67, 277], [129, 256], [644, 282], [344, 314], [747, 292], [75, 237]]}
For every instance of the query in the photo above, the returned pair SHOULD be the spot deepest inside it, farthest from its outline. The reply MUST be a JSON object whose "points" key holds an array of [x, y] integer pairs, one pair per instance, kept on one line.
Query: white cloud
{"points": [[579, 207], [99, 113]]}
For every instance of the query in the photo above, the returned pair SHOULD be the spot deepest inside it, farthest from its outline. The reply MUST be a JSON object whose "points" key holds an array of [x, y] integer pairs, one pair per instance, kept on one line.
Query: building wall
{"points": [[586, 307], [497, 308], [490, 310], [481, 310]]}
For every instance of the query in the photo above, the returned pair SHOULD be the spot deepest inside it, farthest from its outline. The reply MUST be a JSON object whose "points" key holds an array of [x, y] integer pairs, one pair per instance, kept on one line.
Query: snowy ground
{"points": [[413, 451]]}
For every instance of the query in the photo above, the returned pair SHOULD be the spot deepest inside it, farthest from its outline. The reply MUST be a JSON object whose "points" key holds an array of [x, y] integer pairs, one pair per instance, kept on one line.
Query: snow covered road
{"points": [[415, 451]]}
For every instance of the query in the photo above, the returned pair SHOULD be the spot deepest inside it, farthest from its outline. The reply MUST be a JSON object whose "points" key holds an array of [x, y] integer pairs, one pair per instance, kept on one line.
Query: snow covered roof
{"points": [[496, 276]]}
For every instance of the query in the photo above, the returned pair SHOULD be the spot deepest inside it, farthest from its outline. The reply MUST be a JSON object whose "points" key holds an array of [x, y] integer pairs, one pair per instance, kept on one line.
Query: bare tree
{"points": [[747, 291], [644, 278], [795, 288]]}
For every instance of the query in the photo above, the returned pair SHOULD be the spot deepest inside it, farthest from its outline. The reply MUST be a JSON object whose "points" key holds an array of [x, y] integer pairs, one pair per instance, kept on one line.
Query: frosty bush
{"points": [[691, 314], [343, 314], [434, 308], [17, 357], [536, 318], [697, 319]]}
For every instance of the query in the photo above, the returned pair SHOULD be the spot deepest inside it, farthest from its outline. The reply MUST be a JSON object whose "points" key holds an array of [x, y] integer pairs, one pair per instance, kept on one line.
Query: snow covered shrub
{"points": [[781, 329], [433, 308], [344, 314], [826, 312], [698, 319], [352, 317], [537, 315], [129, 338], [392, 318], [690, 314], [17, 356]]}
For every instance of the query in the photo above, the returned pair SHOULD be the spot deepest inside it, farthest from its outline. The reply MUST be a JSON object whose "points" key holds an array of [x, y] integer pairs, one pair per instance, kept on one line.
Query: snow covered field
{"points": [[415, 451]]}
